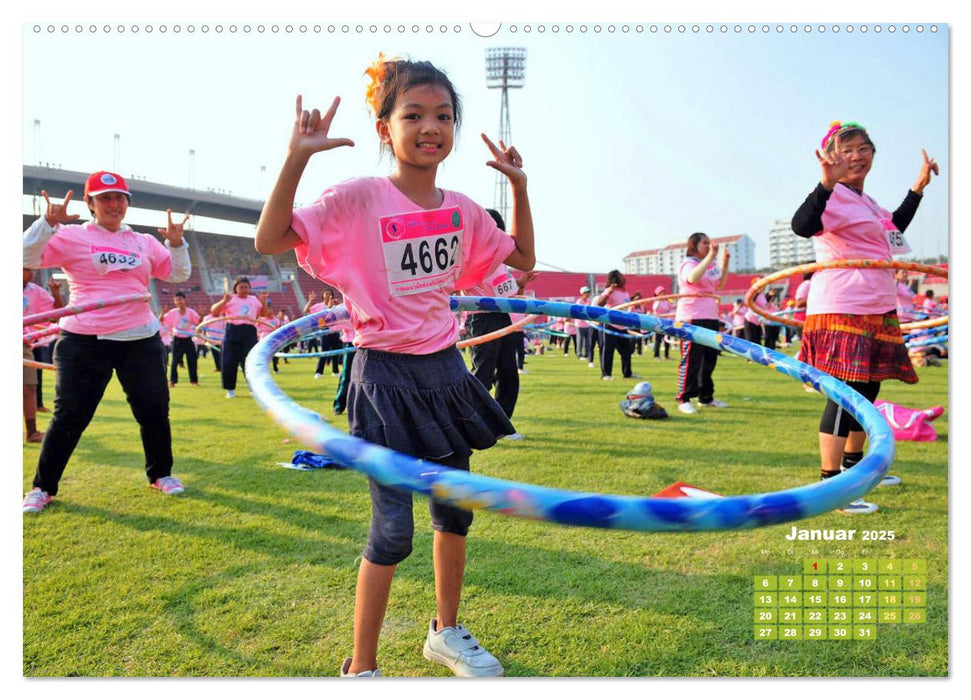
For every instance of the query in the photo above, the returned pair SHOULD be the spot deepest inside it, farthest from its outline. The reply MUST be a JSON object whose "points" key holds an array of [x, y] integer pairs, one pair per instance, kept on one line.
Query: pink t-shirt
{"points": [[697, 308], [802, 293], [216, 328], [181, 325], [854, 227], [662, 307], [100, 264], [738, 316], [395, 263], [615, 298], [580, 323], [37, 300], [905, 302], [753, 317], [249, 306]]}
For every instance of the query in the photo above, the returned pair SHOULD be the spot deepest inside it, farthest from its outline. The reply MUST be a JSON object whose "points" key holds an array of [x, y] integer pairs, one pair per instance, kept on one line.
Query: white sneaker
{"points": [[456, 648], [889, 480], [317, 375], [230, 394], [376, 673], [514, 436], [524, 371], [687, 408], [589, 364], [860, 507], [714, 403], [607, 378]]}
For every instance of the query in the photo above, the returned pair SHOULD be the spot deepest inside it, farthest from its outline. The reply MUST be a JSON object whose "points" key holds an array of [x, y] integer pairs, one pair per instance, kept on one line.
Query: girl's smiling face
{"points": [[421, 128]]}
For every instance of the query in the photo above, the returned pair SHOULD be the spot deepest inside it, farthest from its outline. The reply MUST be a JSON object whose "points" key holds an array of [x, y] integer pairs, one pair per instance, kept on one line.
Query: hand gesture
{"points": [[310, 130], [713, 251], [57, 213], [526, 278], [834, 166], [173, 232], [55, 286], [929, 166], [507, 161]]}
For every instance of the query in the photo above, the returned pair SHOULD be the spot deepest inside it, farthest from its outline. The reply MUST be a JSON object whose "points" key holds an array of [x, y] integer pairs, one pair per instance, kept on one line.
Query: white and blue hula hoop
{"points": [[471, 491], [931, 340]]}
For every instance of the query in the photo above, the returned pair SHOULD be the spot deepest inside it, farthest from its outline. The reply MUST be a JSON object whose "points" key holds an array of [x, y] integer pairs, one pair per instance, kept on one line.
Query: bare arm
{"points": [[508, 161], [274, 234]]}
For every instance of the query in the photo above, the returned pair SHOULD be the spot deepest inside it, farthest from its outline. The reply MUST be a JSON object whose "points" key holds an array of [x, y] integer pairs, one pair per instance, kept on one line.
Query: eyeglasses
{"points": [[861, 151]]}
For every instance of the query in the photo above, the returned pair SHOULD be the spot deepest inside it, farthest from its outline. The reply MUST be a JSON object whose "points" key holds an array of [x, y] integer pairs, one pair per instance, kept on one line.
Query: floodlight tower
{"points": [[505, 68]]}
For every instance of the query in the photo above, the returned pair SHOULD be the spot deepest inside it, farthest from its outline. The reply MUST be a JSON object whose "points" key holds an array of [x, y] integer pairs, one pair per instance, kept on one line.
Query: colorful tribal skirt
{"points": [[857, 348]]}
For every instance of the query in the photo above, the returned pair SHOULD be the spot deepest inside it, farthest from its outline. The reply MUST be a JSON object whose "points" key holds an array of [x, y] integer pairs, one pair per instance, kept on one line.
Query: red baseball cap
{"points": [[103, 181]]}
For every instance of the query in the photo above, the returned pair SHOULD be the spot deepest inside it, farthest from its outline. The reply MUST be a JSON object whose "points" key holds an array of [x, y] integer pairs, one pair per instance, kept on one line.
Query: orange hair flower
{"points": [[375, 72]]}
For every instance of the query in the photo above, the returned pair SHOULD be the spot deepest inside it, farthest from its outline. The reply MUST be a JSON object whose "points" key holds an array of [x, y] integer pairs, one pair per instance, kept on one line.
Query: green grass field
{"points": [[251, 572]]}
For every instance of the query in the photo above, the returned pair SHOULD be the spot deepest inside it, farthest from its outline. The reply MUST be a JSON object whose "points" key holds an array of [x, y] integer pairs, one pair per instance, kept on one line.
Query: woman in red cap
{"points": [[105, 258]]}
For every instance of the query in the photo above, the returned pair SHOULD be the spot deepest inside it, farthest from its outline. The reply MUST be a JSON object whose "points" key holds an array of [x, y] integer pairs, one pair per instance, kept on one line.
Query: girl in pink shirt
{"points": [[661, 308], [397, 248], [101, 259], [242, 310], [699, 276], [851, 330]]}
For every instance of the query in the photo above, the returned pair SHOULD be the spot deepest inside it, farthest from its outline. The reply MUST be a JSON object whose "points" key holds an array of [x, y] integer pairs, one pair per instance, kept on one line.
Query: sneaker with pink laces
{"points": [[35, 501], [168, 485]]}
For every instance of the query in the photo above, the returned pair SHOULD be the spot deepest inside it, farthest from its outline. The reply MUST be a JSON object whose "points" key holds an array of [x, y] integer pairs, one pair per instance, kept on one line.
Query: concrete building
{"points": [[786, 249]]}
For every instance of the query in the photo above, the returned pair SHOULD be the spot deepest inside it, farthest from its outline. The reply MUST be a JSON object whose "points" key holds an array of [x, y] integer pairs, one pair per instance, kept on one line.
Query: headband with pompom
{"points": [[835, 128]]}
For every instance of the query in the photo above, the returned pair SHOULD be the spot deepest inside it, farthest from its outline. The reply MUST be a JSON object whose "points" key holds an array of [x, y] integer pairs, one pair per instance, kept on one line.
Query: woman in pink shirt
{"points": [[105, 258], [661, 308], [851, 330], [610, 336], [698, 275], [397, 248], [240, 334]]}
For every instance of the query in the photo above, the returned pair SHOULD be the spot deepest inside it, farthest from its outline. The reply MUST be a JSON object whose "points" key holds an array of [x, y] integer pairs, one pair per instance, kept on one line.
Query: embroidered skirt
{"points": [[857, 348]]}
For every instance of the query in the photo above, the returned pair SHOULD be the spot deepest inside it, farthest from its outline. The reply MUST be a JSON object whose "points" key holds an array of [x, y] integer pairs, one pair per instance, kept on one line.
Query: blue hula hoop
{"points": [[325, 353], [472, 491], [932, 340]]}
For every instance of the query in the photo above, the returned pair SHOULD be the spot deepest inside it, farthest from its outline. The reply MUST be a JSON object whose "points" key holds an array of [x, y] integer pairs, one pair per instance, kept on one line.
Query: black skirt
{"points": [[426, 406]]}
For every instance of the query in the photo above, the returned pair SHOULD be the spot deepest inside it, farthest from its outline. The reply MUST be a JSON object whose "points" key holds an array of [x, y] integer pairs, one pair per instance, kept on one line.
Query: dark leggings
{"points": [[837, 420]]}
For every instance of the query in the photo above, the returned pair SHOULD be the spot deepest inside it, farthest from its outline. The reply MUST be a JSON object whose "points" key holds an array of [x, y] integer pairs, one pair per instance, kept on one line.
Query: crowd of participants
{"points": [[409, 388]]}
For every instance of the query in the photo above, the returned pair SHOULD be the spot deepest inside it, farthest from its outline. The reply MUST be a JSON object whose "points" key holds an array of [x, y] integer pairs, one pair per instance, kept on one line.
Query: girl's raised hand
{"points": [[310, 130], [173, 232], [834, 166], [507, 161], [57, 213], [929, 166]]}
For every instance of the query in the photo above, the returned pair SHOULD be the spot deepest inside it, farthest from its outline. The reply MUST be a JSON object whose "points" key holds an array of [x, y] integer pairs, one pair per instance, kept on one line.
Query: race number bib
{"points": [[107, 260], [422, 249], [503, 284], [898, 246]]}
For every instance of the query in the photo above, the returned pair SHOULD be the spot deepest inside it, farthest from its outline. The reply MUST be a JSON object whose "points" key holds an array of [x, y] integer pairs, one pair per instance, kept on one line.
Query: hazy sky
{"points": [[631, 140]]}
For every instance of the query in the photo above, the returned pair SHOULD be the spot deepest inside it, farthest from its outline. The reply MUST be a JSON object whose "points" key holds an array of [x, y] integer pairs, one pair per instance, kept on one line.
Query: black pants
{"points": [[331, 341], [183, 347], [771, 336], [42, 353], [697, 365], [84, 368], [624, 348], [566, 344], [584, 349], [753, 332], [520, 343], [216, 356], [495, 362], [238, 341], [658, 339]]}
